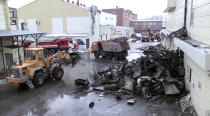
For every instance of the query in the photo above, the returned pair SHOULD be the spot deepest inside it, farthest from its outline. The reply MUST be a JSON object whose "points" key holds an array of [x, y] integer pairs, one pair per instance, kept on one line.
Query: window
{"points": [[62, 43], [41, 55], [188, 73], [31, 55], [70, 41]]}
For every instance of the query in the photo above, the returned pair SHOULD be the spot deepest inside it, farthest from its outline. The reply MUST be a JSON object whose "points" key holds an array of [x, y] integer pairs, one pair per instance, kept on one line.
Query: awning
{"points": [[10, 33]]}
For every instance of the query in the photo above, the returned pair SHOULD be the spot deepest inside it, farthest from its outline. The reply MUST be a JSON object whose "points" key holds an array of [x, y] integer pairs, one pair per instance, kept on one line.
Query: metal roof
{"points": [[10, 33], [68, 35]]}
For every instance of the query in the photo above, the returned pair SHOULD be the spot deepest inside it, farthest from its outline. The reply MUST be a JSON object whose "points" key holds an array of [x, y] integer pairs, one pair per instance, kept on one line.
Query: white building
{"points": [[196, 50], [112, 32], [108, 19]]}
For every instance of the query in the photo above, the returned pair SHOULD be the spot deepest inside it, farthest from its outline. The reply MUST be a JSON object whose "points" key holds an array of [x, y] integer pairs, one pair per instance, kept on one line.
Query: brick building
{"points": [[142, 26], [124, 17]]}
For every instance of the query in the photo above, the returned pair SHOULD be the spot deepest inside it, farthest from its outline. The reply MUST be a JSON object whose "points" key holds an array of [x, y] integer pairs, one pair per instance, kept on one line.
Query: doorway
{"points": [[87, 43], [9, 59]]}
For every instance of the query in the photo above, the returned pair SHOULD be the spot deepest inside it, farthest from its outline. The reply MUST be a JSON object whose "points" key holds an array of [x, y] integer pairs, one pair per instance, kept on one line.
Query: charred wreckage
{"points": [[160, 72]]}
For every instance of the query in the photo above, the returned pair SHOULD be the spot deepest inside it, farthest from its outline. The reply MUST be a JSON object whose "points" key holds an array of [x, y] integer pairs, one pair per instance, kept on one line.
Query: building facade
{"points": [[13, 18], [4, 15], [62, 17], [194, 15], [112, 32], [108, 19], [123, 16], [142, 26], [8, 55]]}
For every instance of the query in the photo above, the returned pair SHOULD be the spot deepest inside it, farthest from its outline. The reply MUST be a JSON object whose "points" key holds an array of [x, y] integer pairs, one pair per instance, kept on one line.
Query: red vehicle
{"points": [[58, 44]]}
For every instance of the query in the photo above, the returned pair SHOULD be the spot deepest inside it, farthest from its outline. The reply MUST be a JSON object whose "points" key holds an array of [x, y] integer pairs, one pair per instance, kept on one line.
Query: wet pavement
{"points": [[61, 98]]}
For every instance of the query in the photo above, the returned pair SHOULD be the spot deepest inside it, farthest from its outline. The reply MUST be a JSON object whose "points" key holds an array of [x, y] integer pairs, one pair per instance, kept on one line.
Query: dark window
{"points": [[62, 43], [22, 26], [31, 55], [190, 76]]}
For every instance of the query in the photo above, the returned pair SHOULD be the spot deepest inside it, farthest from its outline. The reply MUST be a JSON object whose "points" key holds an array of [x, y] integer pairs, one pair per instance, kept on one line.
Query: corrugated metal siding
{"points": [[175, 20], [200, 30]]}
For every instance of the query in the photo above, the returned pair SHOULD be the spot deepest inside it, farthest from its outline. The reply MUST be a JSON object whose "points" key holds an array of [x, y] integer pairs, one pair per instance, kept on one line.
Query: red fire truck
{"points": [[54, 45]]}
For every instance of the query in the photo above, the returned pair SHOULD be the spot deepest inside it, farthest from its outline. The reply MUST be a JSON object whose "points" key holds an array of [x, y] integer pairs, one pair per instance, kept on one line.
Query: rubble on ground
{"points": [[159, 72]]}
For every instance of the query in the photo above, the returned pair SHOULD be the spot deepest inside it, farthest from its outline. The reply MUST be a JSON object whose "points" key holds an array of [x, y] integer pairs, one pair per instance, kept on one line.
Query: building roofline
{"points": [[146, 20], [87, 8]]}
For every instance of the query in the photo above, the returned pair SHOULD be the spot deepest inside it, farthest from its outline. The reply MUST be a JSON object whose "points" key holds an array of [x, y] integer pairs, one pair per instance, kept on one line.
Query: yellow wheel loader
{"points": [[37, 68]]}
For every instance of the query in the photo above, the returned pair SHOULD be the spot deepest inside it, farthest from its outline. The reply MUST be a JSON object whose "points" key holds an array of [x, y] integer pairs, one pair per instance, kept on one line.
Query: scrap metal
{"points": [[158, 73]]}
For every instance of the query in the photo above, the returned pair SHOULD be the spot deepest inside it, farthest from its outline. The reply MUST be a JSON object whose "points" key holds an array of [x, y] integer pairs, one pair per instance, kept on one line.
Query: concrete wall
{"points": [[198, 27], [108, 19], [4, 15], [41, 11]]}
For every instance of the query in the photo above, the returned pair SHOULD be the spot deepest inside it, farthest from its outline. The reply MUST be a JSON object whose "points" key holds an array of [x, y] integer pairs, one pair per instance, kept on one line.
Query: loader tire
{"points": [[23, 85], [57, 73], [38, 80], [96, 54]]}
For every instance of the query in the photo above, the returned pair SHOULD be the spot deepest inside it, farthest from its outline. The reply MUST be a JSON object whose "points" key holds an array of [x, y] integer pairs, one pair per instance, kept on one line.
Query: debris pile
{"points": [[159, 72], [181, 34]]}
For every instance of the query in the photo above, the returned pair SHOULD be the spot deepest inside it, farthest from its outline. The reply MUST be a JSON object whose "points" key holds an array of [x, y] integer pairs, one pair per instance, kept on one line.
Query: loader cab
{"points": [[35, 55]]}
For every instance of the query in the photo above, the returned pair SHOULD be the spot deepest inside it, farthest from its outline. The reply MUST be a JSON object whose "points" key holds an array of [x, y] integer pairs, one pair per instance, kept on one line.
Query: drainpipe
{"points": [[185, 14]]}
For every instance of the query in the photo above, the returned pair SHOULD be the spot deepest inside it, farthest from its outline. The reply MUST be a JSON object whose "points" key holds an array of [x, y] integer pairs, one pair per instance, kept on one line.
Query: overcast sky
{"points": [[144, 8]]}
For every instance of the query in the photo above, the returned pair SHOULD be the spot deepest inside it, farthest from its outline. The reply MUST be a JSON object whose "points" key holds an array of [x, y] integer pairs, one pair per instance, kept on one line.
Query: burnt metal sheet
{"points": [[170, 89]]}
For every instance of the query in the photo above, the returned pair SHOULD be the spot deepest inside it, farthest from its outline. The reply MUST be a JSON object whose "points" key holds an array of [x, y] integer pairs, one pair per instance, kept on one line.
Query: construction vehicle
{"points": [[37, 68], [57, 44], [116, 48]]}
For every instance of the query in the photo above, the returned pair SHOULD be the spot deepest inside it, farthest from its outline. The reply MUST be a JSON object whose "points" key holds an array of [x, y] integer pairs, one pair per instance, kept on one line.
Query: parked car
{"points": [[80, 42]]}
